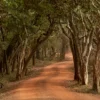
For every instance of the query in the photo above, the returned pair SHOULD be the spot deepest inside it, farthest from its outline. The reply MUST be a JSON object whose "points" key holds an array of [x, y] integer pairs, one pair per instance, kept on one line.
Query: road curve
{"points": [[50, 85]]}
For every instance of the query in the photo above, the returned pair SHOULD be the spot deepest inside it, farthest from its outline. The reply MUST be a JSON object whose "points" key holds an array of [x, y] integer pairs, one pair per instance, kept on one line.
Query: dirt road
{"points": [[50, 85]]}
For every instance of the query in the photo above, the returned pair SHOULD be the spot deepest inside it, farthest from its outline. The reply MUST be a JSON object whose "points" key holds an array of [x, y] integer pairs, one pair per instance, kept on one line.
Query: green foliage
{"points": [[31, 20]]}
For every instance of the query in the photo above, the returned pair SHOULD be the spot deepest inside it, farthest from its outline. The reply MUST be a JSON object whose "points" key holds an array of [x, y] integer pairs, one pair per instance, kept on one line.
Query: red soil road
{"points": [[49, 85]]}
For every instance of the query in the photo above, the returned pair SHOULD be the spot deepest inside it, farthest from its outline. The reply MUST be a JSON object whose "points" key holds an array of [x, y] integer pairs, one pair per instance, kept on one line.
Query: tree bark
{"points": [[76, 62], [96, 70]]}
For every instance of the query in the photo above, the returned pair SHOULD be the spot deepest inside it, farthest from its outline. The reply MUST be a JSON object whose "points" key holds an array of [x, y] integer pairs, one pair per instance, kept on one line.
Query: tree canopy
{"points": [[26, 26]]}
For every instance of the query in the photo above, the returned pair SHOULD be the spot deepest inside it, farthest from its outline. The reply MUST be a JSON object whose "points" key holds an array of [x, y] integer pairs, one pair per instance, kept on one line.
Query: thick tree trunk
{"points": [[96, 80], [96, 70], [21, 59], [86, 56], [76, 62]]}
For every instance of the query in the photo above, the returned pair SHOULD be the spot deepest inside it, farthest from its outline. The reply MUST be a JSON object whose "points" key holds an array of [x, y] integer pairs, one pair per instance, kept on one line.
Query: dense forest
{"points": [[45, 30]]}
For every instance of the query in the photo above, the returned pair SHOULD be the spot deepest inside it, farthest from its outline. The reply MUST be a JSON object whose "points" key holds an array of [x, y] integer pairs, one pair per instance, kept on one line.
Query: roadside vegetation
{"points": [[46, 30]]}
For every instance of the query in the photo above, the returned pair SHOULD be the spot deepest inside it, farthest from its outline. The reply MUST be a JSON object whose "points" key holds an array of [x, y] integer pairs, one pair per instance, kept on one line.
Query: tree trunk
{"points": [[21, 60], [5, 63], [18, 75], [96, 70], [96, 80], [13, 65], [39, 42], [76, 62]]}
